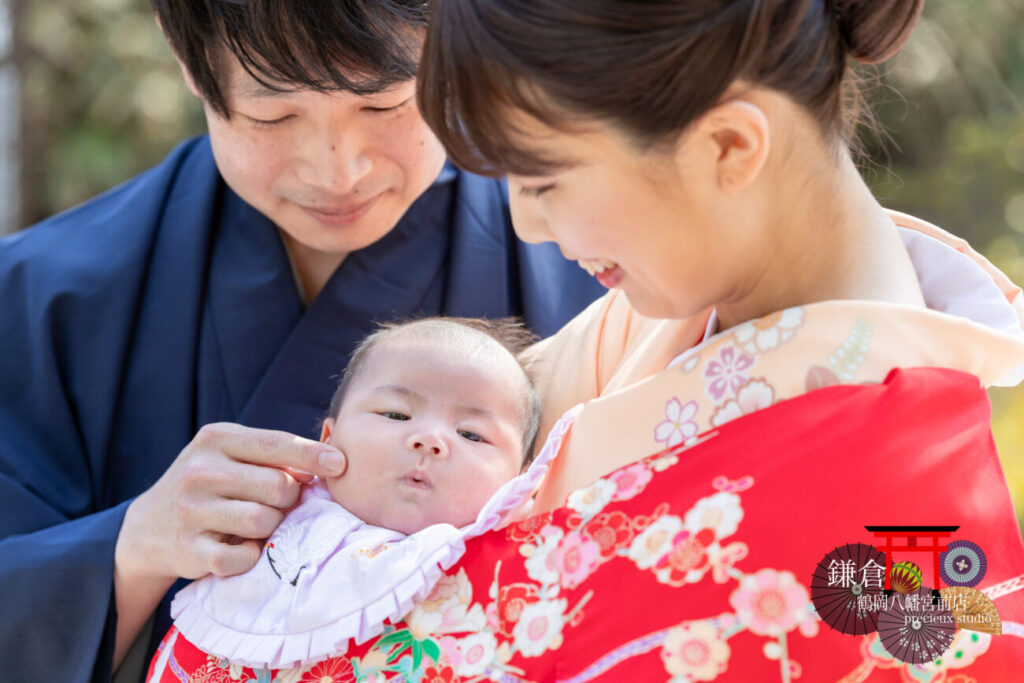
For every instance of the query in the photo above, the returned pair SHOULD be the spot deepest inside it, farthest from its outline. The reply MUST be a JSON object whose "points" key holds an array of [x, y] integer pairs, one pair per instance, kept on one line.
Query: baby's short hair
{"points": [[510, 333]]}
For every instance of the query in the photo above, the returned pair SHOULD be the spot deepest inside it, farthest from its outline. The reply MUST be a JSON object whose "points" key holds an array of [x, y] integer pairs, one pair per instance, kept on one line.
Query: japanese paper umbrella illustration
{"points": [[972, 610], [842, 597], [914, 630], [962, 564]]}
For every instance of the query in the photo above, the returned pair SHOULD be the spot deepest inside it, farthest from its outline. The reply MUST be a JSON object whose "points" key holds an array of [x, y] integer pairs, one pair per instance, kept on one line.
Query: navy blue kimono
{"points": [[166, 304]]}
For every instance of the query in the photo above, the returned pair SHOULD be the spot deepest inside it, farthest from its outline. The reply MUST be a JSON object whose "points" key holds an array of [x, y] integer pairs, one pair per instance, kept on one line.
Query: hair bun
{"points": [[875, 30]]}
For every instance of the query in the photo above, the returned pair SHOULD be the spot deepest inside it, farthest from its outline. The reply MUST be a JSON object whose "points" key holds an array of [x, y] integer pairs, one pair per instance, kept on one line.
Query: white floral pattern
{"points": [[751, 397], [678, 425], [540, 627], [655, 541], [695, 651], [767, 333], [721, 513]]}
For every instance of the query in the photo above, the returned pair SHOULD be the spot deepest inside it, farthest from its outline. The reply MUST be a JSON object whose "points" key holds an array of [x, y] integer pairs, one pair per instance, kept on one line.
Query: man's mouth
{"points": [[340, 214]]}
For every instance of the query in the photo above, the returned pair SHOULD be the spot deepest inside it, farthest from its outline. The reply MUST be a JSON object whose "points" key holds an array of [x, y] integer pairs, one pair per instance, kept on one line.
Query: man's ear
{"points": [[737, 135], [325, 430]]}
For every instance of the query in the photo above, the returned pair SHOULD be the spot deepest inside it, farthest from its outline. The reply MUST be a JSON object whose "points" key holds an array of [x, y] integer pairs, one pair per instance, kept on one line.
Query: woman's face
{"points": [[655, 221]]}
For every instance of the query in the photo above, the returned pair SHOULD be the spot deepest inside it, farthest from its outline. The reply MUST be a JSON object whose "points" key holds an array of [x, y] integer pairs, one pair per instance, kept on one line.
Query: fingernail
{"points": [[332, 462]]}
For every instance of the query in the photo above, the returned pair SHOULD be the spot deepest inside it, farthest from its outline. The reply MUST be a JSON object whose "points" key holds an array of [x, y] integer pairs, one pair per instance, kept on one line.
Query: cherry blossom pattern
{"points": [[529, 528], [678, 425], [575, 558], [770, 602], [724, 373], [448, 608], [439, 674], [655, 541], [751, 397], [611, 531], [591, 500], [720, 512], [695, 651], [767, 333], [540, 627], [504, 613], [687, 560], [476, 653], [538, 554], [966, 647], [630, 481]]}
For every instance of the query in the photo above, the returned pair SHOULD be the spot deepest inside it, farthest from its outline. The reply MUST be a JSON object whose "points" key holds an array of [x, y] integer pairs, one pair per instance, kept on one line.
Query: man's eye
{"points": [[395, 415], [380, 110], [268, 123], [535, 191], [472, 436]]}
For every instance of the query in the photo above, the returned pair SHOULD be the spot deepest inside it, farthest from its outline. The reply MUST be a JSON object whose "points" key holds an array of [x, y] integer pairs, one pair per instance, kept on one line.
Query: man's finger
{"points": [[274, 448], [224, 559]]}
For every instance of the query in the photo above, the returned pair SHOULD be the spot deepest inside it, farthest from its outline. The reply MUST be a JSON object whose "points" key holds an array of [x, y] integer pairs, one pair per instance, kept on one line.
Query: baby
{"points": [[434, 417], [437, 419]]}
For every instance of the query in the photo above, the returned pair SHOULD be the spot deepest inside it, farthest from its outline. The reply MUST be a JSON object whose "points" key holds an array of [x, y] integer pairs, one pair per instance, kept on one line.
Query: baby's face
{"points": [[430, 434]]}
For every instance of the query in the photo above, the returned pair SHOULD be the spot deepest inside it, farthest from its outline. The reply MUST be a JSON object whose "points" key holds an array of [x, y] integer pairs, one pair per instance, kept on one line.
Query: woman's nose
{"points": [[527, 219], [428, 443]]}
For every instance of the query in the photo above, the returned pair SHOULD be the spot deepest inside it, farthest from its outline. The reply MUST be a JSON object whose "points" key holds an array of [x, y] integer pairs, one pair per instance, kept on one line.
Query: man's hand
{"points": [[223, 494]]}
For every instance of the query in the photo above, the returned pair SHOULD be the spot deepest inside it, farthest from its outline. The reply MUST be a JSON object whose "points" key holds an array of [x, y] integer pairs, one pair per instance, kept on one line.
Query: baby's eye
{"points": [[395, 415], [472, 436]]}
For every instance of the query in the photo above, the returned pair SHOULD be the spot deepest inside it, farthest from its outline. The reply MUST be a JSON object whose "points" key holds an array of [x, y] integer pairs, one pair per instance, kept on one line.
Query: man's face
{"points": [[334, 171]]}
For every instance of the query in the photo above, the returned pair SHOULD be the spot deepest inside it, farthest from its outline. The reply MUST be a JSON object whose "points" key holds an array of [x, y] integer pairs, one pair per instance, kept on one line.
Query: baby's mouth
{"points": [[417, 479]]}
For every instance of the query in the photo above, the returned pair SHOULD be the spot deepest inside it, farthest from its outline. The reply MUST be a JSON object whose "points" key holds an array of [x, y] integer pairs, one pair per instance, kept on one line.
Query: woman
{"points": [[781, 365]]}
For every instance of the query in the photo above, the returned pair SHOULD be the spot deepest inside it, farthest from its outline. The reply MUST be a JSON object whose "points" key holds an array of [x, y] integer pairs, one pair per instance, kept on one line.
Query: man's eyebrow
{"points": [[251, 88]]}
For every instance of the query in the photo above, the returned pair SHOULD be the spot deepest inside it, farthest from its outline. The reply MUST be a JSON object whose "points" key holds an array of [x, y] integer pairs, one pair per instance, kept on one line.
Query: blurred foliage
{"points": [[103, 99]]}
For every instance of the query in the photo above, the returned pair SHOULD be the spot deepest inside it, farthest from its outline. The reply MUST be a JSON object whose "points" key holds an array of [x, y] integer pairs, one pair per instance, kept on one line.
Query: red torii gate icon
{"points": [[911, 533]]}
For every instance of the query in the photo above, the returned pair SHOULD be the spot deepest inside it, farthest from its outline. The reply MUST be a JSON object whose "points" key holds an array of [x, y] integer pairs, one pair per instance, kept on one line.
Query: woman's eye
{"points": [[395, 415], [472, 436], [268, 123], [535, 191]]}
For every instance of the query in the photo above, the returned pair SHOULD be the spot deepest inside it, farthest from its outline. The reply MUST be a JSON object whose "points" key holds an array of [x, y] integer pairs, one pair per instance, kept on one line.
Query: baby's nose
{"points": [[427, 443]]}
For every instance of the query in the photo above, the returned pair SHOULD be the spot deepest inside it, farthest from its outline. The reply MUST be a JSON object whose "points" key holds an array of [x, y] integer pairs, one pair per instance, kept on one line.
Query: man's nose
{"points": [[336, 162], [428, 442]]}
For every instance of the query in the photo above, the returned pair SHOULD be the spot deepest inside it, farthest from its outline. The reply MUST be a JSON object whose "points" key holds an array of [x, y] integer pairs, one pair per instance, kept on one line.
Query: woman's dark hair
{"points": [[360, 46], [650, 67]]}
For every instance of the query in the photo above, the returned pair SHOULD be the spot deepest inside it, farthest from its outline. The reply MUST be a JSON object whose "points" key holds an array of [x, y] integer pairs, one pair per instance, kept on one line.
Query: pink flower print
{"points": [[678, 425], [694, 652], [575, 558], [755, 395], [630, 481], [725, 373], [770, 602]]}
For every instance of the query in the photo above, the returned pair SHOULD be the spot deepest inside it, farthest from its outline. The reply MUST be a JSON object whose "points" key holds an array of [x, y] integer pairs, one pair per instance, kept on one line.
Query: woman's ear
{"points": [[325, 430], [737, 133]]}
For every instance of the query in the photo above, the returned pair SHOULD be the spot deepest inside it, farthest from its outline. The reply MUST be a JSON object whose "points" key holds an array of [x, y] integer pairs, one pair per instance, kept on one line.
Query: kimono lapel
{"points": [[772, 359], [399, 276], [252, 307]]}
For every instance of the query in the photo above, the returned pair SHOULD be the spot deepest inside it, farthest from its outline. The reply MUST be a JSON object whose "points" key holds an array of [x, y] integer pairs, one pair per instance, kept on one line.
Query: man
{"points": [[161, 343]]}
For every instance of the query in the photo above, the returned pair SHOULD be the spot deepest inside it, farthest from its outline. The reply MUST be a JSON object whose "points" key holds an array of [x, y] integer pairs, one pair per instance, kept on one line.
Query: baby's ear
{"points": [[325, 430]]}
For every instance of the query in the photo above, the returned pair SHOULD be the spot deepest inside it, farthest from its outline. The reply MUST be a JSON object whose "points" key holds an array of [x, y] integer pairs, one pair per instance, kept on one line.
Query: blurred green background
{"points": [[101, 99]]}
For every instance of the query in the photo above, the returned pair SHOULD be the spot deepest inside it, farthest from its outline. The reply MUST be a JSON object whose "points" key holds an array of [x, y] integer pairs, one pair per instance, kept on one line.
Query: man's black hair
{"points": [[359, 46]]}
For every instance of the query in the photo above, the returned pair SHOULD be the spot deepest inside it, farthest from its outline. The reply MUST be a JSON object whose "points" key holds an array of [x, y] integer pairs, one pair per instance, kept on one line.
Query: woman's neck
{"points": [[827, 238]]}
